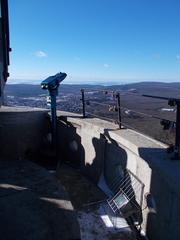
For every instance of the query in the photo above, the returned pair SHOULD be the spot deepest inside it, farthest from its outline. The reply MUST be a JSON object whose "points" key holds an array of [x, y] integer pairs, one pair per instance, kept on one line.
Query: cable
{"points": [[98, 116], [146, 114], [127, 109], [98, 103], [106, 91], [137, 112]]}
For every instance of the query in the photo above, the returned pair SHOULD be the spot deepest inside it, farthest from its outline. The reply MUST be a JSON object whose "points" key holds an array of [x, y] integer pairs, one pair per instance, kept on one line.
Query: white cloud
{"points": [[178, 57], [106, 65], [40, 54]]}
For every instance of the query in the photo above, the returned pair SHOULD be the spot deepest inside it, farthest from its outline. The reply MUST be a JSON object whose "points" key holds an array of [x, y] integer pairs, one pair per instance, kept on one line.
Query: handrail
{"points": [[124, 108], [117, 106], [173, 102]]}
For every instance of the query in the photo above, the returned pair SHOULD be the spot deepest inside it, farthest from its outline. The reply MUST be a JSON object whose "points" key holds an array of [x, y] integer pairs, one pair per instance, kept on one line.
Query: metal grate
{"points": [[128, 194]]}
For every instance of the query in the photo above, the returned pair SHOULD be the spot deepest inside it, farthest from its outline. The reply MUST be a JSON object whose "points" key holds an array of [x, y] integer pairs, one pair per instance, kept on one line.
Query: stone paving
{"points": [[90, 203], [33, 205]]}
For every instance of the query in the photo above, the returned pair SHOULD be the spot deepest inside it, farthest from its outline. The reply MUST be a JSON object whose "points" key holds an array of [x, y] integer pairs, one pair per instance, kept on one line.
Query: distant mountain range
{"points": [[154, 88]]}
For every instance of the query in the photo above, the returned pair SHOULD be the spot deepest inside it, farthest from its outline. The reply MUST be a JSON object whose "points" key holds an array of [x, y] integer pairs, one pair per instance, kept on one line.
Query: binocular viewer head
{"points": [[52, 82]]}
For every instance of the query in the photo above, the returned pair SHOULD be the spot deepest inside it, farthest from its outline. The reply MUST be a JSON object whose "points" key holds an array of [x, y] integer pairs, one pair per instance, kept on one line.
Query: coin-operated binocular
{"points": [[51, 84]]}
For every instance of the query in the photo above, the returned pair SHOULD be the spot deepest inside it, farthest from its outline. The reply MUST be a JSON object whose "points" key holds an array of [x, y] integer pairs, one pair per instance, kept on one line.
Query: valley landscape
{"points": [[137, 112]]}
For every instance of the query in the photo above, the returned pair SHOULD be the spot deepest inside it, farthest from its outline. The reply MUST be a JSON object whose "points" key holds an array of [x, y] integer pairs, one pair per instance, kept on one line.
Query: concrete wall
{"points": [[22, 132], [100, 149]]}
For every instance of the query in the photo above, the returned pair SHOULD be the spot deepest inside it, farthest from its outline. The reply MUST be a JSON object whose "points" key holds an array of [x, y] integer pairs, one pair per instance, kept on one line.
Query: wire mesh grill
{"points": [[128, 194]]}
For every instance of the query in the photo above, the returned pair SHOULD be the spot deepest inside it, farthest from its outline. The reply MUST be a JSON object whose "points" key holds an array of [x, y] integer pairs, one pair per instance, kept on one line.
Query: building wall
{"points": [[4, 46], [1, 62]]}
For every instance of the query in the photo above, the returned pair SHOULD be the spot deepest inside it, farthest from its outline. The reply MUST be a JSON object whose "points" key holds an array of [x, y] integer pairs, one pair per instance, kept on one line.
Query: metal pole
{"points": [[53, 119], [83, 103], [119, 109], [177, 140]]}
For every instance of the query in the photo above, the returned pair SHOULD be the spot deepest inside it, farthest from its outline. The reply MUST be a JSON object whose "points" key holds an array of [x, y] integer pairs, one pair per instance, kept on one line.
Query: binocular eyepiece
{"points": [[52, 82]]}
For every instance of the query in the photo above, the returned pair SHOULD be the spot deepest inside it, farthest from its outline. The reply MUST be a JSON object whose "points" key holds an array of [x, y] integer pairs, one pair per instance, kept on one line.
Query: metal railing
{"points": [[173, 102], [116, 107]]}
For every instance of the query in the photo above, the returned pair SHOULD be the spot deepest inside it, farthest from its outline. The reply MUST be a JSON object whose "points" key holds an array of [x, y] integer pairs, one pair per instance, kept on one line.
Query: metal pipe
{"points": [[83, 103], [53, 120], [163, 98], [51, 84], [119, 109]]}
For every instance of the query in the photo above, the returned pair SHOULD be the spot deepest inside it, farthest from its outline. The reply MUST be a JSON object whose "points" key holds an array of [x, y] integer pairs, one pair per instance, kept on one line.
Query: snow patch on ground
{"points": [[97, 225]]}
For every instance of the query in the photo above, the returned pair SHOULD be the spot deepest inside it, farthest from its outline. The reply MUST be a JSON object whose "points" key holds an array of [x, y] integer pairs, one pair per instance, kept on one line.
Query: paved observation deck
{"points": [[33, 205]]}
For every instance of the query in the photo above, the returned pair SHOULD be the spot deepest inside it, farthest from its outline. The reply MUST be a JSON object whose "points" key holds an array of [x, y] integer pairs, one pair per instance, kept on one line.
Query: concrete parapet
{"points": [[22, 131], [102, 151], [99, 148]]}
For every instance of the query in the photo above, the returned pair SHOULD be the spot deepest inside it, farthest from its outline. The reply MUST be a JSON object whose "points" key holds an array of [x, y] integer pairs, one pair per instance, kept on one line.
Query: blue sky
{"points": [[95, 40]]}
